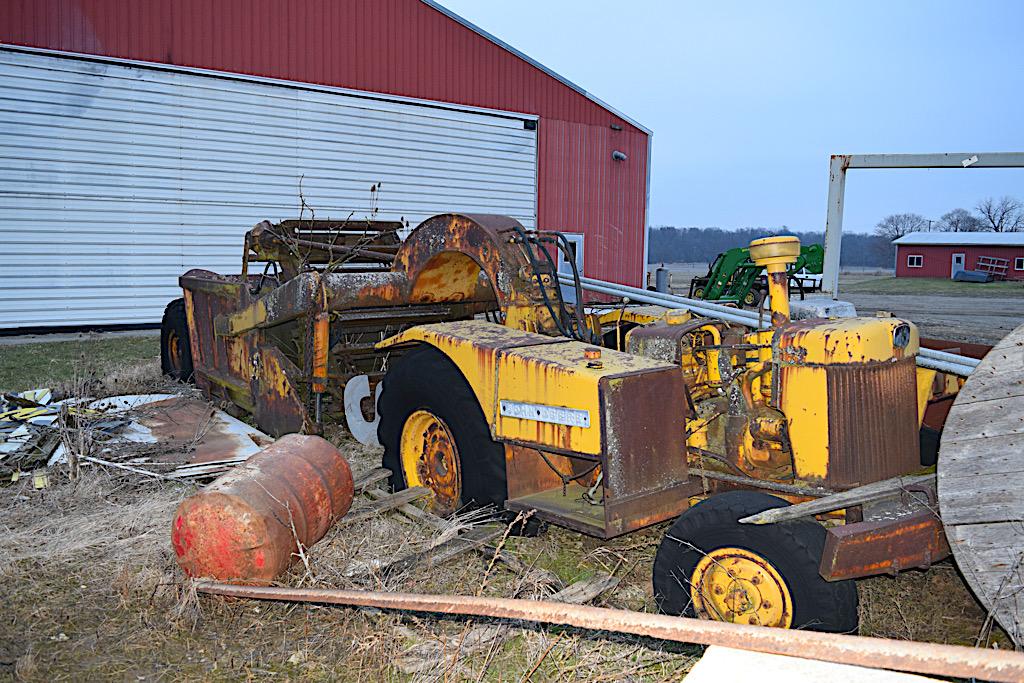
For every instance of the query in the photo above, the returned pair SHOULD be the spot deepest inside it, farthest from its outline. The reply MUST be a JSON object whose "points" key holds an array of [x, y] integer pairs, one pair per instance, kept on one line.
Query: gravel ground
{"points": [[983, 320]]}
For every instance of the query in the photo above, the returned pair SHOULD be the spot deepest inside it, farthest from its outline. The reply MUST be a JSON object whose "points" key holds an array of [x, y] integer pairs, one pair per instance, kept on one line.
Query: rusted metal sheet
{"points": [[662, 341], [879, 653], [963, 348], [221, 364], [628, 473], [246, 524], [644, 449], [914, 540], [192, 431], [872, 422], [279, 409]]}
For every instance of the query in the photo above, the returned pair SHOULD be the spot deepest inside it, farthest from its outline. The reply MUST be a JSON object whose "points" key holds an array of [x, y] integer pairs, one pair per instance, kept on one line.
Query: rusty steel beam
{"points": [[883, 547], [876, 653]]}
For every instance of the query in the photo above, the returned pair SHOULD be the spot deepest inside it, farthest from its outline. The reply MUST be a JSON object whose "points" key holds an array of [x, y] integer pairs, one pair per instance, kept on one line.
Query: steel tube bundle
{"points": [[927, 358]]}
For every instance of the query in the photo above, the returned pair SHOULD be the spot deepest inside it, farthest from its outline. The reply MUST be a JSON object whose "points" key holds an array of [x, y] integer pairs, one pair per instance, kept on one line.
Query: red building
{"points": [[941, 254], [148, 135]]}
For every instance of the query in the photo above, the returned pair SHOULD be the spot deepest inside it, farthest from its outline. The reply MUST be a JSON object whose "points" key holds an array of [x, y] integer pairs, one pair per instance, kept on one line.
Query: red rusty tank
{"points": [[240, 527]]}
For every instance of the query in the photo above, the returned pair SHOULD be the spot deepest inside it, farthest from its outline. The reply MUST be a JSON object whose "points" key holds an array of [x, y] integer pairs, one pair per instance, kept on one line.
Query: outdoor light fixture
{"points": [[619, 156]]}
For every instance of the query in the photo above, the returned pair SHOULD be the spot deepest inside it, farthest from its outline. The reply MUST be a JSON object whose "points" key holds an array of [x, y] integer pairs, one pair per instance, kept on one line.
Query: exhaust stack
{"points": [[775, 254]]}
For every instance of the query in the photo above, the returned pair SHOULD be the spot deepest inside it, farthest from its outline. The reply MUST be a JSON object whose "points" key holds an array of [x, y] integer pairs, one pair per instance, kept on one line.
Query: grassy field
{"points": [[932, 286], [33, 366], [91, 589]]}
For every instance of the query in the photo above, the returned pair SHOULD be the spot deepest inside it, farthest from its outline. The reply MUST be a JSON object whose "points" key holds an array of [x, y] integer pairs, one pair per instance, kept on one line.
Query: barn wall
{"points": [[399, 47], [938, 259]]}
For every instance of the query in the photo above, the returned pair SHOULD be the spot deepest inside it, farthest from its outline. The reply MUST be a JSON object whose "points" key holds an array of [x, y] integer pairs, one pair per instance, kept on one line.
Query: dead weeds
{"points": [[92, 592], [935, 606]]}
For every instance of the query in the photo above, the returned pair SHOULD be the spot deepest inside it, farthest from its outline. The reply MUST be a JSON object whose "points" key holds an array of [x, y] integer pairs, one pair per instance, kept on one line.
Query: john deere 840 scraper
{"points": [[492, 390]]}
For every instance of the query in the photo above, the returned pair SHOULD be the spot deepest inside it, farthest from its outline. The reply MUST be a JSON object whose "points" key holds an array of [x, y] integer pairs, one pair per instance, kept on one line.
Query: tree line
{"points": [[702, 245], [695, 245], [990, 215]]}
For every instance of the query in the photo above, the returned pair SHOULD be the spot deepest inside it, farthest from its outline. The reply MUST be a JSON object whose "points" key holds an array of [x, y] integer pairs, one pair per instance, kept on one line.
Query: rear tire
{"points": [[427, 380], [175, 344], [792, 550]]}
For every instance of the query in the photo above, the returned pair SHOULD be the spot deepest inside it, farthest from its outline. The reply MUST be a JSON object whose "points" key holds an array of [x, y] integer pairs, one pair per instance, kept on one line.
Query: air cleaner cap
{"points": [[771, 250]]}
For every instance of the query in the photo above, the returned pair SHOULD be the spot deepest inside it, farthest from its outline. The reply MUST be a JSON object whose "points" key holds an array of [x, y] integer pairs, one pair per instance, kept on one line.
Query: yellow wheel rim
{"points": [[174, 350], [430, 458], [740, 586]]}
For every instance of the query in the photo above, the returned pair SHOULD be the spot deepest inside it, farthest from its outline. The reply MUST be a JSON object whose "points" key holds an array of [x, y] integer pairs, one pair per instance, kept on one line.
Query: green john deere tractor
{"points": [[734, 278]]}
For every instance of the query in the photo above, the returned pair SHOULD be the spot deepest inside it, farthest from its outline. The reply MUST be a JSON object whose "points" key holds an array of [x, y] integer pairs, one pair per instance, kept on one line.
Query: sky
{"points": [[747, 100]]}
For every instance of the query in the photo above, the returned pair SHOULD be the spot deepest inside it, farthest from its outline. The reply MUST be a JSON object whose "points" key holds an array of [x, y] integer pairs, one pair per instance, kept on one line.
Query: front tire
{"points": [[753, 298], [435, 434], [711, 566]]}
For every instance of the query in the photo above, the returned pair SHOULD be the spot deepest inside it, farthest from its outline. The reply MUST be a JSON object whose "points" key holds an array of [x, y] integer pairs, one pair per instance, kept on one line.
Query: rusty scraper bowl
{"points": [[245, 525]]}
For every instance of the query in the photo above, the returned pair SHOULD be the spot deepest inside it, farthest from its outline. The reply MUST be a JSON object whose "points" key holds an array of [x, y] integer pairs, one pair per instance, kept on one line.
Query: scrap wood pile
{"points": [[165, 436]]}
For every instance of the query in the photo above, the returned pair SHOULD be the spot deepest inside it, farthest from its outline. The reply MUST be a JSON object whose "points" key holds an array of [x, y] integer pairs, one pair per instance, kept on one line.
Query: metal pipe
{"points": [[636, 294], [944, 366], [680, 300], [658, 299], [927, 358], [876, 653], [951, 357]]}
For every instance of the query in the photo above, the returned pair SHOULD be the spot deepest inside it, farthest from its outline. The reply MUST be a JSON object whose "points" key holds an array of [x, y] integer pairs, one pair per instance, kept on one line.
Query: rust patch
{"points": [[914, 541], [872, 422], [185, 426]]}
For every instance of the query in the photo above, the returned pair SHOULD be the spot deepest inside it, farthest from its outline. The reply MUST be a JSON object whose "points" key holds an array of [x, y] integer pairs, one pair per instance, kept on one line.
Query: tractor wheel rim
{"points": [[430, 458], [174, 350], [742, 587]]}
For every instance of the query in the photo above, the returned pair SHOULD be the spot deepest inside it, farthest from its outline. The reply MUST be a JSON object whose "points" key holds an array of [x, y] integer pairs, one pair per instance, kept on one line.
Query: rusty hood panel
{"points": [[846, 340]]}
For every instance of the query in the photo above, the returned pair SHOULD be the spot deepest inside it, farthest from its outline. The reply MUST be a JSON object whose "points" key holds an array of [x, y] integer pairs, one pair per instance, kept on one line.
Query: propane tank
{"points": [[245, 525]]}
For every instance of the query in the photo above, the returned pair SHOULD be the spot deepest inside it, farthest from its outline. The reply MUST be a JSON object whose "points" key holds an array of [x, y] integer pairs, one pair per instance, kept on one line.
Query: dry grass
{"points": [[934, 606], [92, 592]]}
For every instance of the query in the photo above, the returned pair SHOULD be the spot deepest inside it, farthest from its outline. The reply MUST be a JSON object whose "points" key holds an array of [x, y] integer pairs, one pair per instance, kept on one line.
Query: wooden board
{"points": [[727, 664], [981, 482]]}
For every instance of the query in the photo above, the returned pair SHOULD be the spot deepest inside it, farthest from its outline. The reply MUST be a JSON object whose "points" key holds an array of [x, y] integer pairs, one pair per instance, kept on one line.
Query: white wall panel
{"points": [[115, 179]]}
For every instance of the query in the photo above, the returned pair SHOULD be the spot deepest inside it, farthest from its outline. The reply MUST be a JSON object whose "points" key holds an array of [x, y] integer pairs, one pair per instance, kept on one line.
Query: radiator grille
{"points": [[872, 422]]}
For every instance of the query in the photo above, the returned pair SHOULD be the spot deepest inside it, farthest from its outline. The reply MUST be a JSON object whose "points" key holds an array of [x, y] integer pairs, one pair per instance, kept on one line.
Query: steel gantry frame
{"points": [[840, 163]]}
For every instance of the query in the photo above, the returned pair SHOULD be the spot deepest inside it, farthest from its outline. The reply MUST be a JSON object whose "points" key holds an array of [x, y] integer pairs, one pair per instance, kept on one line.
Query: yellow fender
{"points": [[534, 389]]}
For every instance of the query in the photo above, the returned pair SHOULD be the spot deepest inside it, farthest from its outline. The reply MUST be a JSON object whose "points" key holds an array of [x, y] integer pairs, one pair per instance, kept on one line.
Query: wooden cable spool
{"points": [[981, 482]]}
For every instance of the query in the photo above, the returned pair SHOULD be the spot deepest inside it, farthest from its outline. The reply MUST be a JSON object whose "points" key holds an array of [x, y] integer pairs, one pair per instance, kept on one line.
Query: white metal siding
{"points": [[115, 179]]}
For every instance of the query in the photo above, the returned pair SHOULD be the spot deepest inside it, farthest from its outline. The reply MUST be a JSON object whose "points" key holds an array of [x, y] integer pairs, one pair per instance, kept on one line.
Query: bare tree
{"points": [[899, 224], [961, 220], [1001, 215]]}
